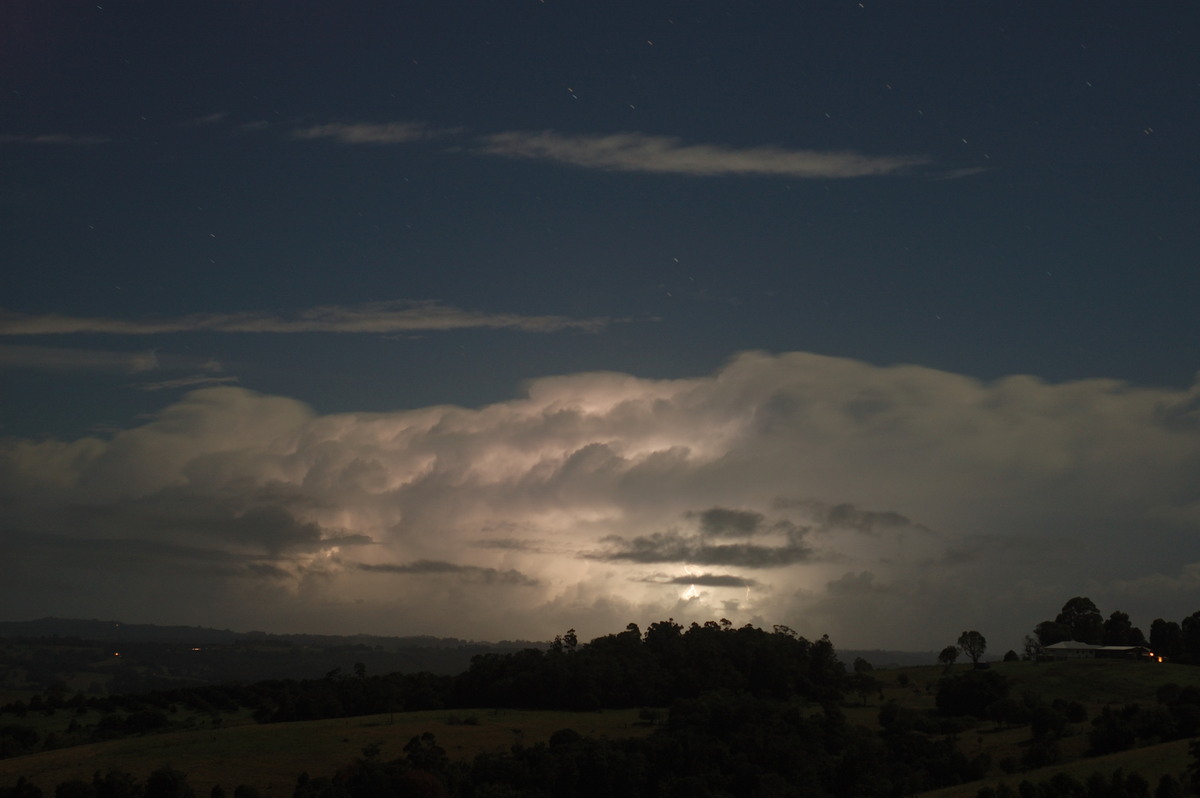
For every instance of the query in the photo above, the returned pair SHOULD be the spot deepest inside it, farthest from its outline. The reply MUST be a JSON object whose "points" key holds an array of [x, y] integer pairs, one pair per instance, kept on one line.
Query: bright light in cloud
{"points": [[886, 506]]}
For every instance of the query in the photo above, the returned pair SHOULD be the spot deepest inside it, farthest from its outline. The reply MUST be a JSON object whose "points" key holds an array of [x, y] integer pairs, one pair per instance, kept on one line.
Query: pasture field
{"points": [[269, 757], [1151, 761]]}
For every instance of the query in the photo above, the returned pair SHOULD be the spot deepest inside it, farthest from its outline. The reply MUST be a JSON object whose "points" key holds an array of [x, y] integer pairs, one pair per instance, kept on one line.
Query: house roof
{"points": [[1075, 645]]}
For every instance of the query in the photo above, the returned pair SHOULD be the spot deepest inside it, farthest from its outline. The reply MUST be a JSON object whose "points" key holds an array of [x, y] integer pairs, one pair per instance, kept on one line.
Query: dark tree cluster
{"points": [[1179, 642], [751, 712], [631, 669], [1175, 716], [1080, 620], [1118, 784]]}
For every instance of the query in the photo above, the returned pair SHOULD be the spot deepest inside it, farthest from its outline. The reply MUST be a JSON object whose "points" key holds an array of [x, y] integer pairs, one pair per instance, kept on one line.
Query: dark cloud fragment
{"points": [[672, 547], [730, 523], [715, 580], [265, 569], [471, 572], [849, 516]]}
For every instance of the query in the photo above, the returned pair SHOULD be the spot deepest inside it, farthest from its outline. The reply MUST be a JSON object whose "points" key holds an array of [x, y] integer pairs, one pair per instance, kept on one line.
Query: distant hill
{"points": [[888, 659], [111, 656], [116, 631]]}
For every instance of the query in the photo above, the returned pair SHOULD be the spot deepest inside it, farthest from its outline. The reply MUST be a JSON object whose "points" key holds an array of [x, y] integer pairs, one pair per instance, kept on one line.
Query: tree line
{"points": [[1080, 620]]}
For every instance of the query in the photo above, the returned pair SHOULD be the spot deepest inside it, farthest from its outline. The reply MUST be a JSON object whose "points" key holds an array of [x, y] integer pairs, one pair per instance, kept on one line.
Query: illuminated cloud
{"points": [[373, 317], [639, 152], [887, 506]]}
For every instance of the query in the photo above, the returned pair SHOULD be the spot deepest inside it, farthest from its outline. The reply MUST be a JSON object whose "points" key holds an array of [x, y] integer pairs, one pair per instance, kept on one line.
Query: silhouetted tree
{"points": [[1189, 639], [948, 656], [973, 644], [1118, 631], [1165, 637], [167, 782], [1050, 632], [1083, 619]]}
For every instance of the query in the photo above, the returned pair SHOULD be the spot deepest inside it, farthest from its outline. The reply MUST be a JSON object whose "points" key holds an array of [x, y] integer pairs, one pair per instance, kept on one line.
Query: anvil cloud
{"points": [[824, 493]]}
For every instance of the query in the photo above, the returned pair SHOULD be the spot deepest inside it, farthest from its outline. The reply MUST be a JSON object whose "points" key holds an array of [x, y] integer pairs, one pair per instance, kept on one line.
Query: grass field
{"points": [[1152, 762], [269, 757], [1095, 684]]}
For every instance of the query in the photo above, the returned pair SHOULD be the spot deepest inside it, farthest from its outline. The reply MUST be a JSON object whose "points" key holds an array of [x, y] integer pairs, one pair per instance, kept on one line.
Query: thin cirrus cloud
{"points": [[638, 152], [633, 152], [194, 381], [50, 358], [52, 139], [374, 317], [385, 133]]}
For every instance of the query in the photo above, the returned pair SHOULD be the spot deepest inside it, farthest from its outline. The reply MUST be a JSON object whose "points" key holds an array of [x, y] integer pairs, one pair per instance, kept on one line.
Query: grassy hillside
{"points": [[1094, 683], [1152, 762], [269, 757]]}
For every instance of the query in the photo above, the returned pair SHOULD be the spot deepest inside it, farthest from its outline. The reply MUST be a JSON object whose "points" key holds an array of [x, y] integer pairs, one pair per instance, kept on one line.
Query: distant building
{"points": [[1073, 649]]}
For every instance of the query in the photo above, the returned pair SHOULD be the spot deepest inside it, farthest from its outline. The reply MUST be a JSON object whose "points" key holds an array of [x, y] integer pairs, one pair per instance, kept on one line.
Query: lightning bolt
{"points": [[691, 592]]}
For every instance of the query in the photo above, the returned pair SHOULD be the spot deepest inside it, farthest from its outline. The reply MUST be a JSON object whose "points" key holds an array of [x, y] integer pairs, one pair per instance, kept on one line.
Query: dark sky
{"points": [[552, 314]]}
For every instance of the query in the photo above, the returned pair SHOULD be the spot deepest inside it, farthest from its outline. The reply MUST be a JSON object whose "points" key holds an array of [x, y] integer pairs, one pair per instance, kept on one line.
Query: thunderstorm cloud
{"points": [[887, 506]]}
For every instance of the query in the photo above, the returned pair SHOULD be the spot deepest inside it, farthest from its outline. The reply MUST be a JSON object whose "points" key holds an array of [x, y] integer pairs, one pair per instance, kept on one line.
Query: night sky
{"points": [[491, 319]]}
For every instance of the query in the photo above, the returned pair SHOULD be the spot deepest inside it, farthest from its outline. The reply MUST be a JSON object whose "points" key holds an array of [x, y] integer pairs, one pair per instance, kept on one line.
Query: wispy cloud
{"points": [[206, 120], [386, 133], [195, 381], [374, 317], [49, 358], [639, 152], [633, 152], [52, 138]]}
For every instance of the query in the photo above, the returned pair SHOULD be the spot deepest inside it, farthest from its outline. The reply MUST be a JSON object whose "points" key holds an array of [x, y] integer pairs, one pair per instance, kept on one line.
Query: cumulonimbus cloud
{"points": [[372, 317], [595, 499], [639, 152]]}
